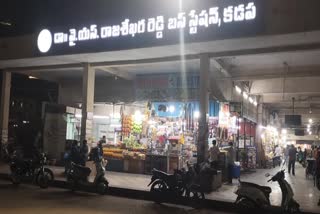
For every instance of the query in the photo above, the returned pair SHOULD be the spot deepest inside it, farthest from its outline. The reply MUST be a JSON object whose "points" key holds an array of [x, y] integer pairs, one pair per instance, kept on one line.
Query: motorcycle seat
{"points": [[264, 189], [161, 173]]}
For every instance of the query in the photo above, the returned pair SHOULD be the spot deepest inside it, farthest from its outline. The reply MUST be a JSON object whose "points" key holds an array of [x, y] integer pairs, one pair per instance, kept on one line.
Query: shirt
{"points": [[214, 152], [231, 155], [278, 152], [292, 154]]}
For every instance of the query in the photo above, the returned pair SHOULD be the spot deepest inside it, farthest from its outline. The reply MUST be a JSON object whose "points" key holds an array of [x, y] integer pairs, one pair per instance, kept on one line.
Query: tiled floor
{"points": [[305, 192]]}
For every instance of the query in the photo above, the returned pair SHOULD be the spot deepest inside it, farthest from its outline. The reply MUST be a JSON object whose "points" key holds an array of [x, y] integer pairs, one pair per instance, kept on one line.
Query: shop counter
{"points": [[134, 166], [115, 165], [163, 163]]}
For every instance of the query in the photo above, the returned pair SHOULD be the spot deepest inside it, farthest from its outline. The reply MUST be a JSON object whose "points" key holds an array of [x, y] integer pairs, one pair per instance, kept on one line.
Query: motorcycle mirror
{"points": [[267, 174]]}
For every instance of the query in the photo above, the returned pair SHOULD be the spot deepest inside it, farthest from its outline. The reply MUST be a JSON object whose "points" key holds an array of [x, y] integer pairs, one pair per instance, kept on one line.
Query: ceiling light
{"points": [[238, 89], [284, 131], [245, 95], [310, 120], [250, 100], [32, 77], [310, 133], [5, 23], [255, 103], [196, 114]]}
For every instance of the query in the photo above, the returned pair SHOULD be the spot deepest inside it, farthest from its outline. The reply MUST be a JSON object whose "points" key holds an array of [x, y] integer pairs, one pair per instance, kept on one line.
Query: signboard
{"points": [[155, 23], [163, 87]]}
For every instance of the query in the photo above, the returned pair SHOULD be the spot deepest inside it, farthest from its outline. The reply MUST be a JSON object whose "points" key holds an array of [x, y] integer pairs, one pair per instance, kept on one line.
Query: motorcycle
{"points": [[33, 170], [77, 177], [179, 184], [251, 195]]}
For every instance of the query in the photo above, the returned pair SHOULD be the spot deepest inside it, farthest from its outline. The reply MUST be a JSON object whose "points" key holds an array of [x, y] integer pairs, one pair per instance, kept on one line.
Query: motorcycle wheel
{"points": [[245, 204], [294, 207], [102, 187], [195, 195], [15, 179], [43, 180], [158, 187], [71, 184]]}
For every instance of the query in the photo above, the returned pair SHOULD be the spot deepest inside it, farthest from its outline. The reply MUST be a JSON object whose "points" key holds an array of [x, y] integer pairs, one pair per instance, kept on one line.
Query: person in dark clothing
{"points": [[230, 162], [84, 150], [292, 159], [75, 153]]}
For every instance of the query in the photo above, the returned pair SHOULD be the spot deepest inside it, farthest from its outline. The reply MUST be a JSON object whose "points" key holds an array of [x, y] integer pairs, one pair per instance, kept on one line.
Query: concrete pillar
{"points": [[5, 105], [88, 82], [260, 152], [203, 134]]}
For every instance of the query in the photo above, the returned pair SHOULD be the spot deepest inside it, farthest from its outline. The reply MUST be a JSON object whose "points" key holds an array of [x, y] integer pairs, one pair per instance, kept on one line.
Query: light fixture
{"points": [[310, 120], [255, 103], [250, 100], [238, 89], [310, 133], [308, 126], [196, 114], [284, 131], [245, 95], [32, 77], [171, 109]]}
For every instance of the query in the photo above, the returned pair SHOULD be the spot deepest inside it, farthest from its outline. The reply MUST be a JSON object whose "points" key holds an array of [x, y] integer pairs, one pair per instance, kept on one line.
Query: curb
{"points": [[147, 196]]}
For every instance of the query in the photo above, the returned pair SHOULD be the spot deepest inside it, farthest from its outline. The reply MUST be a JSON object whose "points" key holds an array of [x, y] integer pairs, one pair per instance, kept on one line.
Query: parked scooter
{"points": [[251, 195], [77, 177], [33, 170]]}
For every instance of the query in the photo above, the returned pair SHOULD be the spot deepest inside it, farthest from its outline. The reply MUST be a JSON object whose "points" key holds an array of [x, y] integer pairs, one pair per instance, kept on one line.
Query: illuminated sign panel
{"points": [[210, 20]]}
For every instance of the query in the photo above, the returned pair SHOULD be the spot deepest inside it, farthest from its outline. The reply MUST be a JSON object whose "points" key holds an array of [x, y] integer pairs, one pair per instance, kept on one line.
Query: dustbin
{"points": [[236, 171]]}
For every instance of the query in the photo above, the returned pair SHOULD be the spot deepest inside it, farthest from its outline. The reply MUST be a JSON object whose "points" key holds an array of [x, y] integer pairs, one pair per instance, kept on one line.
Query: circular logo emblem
{"points": [[44, 41]]}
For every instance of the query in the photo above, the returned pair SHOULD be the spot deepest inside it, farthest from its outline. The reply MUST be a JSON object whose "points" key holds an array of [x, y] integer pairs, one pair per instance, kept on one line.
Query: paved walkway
{"points": [[305, 193]]}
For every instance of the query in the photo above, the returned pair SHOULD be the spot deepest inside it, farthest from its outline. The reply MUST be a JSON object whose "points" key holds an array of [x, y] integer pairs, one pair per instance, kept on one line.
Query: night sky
{"points": [[28, 16]]}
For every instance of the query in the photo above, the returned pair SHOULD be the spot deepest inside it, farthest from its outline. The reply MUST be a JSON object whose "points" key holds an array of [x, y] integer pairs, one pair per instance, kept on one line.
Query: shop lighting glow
{"points": [[255, 103], [116, 125], [309, 126], [196, 114], [238, 89], [100, 117], [138, 117], [310, 133], [284, 131], [310, 120], [171, 109], [94, 116], [32, 77], [250, 100], [245, 95]]}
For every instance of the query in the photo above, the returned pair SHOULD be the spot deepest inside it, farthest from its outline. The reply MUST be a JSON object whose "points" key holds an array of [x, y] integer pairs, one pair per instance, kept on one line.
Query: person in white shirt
{"points": [[277, 156], [213, 154]]}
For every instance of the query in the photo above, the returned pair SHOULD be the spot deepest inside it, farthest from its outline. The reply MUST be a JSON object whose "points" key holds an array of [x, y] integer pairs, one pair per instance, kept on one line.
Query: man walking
{"points": [[292, 159], [213, 153], [230, 160]]}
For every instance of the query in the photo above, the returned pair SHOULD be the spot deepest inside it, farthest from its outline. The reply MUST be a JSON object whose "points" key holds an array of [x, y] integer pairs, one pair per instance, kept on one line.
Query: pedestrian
{"points": [[75, 152], [230, 159], [213, 154], [103, 140], [286, 154], [292, 159], [317, 172], [277, 156], [84, 151]]}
